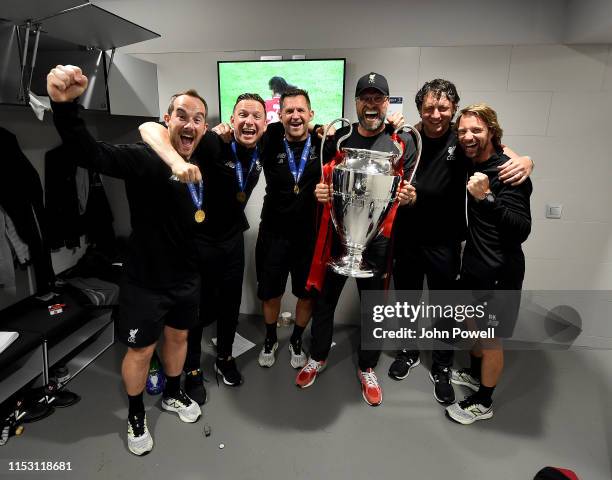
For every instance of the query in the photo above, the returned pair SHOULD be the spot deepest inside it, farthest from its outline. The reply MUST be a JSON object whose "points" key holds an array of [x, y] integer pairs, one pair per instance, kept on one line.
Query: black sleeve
{"points": [[330, 145], [511, 211], [275, 132], [409, 154], [209, 150], [120, 161]]}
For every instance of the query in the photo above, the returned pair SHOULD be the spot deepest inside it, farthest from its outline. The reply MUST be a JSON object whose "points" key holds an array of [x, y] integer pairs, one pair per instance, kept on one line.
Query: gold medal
{"points": [[296, 189], [241, 197], [199, 216]]}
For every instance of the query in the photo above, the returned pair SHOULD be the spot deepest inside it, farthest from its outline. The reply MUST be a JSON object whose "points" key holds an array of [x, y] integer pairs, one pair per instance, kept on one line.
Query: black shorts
{"points": [[276, 256], [500, 292], [143, 312]]}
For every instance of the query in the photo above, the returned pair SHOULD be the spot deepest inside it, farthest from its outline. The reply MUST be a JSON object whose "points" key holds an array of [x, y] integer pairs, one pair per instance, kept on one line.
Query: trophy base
{"points": [[352, 266]]}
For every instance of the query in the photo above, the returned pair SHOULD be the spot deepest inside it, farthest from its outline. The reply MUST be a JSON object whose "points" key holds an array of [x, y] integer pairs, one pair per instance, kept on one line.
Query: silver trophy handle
{"points": [[341, 139], [419, 146]]}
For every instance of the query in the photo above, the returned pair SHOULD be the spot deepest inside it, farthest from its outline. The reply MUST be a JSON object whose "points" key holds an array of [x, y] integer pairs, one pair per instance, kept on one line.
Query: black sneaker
{"points": [[403, 363], [228, 371], [194, 386], [443, 390]]}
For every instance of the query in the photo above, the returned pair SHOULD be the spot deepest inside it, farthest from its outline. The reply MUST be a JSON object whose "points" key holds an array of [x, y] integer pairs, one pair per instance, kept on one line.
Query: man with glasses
{"points": [[371, 132]]}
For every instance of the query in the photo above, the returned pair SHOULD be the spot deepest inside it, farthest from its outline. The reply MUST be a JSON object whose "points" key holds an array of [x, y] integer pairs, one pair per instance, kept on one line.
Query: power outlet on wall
{"points": [[554, 210]]}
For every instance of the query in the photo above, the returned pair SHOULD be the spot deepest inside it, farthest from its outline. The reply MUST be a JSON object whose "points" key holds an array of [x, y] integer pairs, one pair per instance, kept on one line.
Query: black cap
{"points": [[372, 80]]}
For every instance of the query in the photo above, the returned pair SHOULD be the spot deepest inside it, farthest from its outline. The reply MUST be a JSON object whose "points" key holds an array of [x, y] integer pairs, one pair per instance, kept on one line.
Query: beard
{"points": [[371, 127]]}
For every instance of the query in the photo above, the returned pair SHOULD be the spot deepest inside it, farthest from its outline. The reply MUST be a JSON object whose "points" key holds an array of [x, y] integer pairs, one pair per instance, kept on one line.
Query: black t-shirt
{"points": [[161, 250], [438, 216], [497, 230], [224, 213], [285, 212]]}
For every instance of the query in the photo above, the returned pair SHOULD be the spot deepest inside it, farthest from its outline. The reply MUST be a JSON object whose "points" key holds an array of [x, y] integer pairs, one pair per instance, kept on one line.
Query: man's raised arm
{"points": [[156, 136], [65, 83]]}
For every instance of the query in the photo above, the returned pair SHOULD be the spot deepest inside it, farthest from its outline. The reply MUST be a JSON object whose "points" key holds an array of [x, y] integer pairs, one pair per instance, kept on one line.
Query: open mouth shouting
{"points": [[187, 141], [296, 126], [371, 119], [248, 135], [470, 148]]}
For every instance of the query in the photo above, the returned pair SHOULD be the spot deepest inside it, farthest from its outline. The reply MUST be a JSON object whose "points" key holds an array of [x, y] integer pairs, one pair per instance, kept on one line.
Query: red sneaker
{"points": [[308, 374], [370, 389]]}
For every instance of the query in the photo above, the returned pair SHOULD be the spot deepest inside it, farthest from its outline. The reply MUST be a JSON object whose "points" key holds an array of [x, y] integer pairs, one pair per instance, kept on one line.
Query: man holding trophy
{"points": [[359, 212]]}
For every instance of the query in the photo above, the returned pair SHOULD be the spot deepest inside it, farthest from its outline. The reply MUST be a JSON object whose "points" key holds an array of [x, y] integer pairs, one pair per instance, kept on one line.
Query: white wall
{"points": [[554, 104], [211, 25], [588, 21]]}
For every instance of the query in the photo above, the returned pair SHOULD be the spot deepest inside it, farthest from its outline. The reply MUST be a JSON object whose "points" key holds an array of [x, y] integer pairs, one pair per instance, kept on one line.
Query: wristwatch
{"points": [[489, 198]]}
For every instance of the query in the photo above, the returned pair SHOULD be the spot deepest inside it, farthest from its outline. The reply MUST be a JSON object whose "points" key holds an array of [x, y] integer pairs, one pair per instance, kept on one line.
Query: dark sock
{"points": [[271, 331], [173, 384], [485, 395], [136, 405], [297, 333], [475, 366]]}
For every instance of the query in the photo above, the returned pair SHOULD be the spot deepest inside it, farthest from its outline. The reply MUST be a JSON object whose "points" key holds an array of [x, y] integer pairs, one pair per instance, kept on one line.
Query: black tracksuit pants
{"points": [[221, 265], [440, 265], [322, 328]]}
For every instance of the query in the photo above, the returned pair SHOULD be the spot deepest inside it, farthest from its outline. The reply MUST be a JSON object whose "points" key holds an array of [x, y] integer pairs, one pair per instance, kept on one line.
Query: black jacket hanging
{"points": [[21, 196], [66, 224], [61, 200]]}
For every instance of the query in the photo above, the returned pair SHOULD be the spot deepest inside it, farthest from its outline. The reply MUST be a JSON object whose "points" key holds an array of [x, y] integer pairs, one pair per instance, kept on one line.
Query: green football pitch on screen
{"points": [[322, 79]]}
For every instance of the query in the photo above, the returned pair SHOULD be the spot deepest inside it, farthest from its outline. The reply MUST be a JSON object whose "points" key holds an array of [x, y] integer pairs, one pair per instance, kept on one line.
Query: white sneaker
{"points": [[188, 410], [267, 356], [464, 377], [139, 439], [298, 357], [468, 410]]}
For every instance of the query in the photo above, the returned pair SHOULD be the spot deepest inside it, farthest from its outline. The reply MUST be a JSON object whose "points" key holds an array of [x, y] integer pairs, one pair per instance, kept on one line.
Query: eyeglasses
{"points": [[375, 99]]}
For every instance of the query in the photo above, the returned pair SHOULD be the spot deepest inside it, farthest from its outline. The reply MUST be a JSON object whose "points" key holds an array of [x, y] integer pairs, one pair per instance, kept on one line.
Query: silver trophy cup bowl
{"points": [[364, 188]]}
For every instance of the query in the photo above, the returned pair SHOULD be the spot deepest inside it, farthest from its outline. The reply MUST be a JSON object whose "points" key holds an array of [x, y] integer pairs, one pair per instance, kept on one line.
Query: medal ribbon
{"points": [[196, 198], [239, 175], [297, 172]]}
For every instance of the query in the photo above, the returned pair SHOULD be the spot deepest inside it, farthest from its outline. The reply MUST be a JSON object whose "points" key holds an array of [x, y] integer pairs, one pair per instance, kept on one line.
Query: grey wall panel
{"points": [[91, 62], [132, 87]]}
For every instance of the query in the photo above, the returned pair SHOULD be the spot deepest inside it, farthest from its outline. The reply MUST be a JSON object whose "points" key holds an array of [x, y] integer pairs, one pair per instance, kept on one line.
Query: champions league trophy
{"points": [[365, 186]]}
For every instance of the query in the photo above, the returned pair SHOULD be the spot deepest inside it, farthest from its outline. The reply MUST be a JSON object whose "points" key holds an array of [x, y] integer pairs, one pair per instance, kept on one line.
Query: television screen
{"points": [[323, 79]]}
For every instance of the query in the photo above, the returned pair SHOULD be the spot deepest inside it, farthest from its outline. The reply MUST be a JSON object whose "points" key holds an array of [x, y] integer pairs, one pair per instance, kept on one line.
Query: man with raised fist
{"points": [[160, 289]]}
